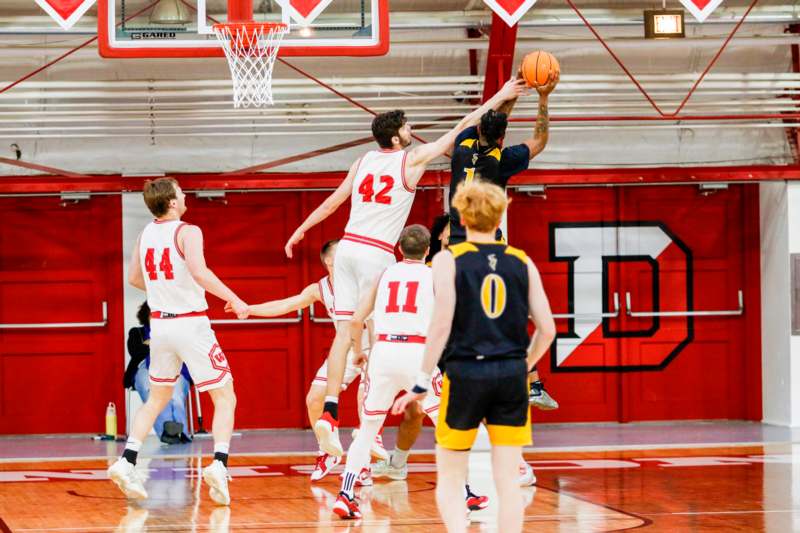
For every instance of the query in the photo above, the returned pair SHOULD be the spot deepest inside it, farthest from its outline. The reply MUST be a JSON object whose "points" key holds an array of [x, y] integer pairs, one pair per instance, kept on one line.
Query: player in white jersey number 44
{"points": [[168, 263], [381, 186]]}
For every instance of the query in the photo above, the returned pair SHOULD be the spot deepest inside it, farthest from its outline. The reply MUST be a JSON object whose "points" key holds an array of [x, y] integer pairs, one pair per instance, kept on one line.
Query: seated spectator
{"points": [[171, 425]]}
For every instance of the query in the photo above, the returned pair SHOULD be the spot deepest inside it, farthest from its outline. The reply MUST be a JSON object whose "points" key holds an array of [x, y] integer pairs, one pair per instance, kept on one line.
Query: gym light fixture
{"points": [[170, 12], [663, 24]]}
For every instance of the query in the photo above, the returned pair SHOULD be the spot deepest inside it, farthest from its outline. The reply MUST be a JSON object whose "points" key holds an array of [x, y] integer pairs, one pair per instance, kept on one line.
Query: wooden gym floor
{"points": [[732, 488]]}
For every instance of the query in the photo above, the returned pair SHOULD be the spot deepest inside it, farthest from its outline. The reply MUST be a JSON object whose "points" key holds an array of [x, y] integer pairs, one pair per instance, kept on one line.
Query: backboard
{"points": [[183, 28]]}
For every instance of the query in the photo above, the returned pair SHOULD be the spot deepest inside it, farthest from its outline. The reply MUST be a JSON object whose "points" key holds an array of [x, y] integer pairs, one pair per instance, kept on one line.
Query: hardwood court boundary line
{"points": [[427, 451]]}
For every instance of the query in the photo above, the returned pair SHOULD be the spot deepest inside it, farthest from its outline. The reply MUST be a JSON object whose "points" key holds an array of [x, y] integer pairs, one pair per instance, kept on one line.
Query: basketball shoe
{"points": [[327, 431], [539, 398], [325, 463], [127, 479], [216, 476], [475, 502], [385, 469], [526, 476], [345, 508]]}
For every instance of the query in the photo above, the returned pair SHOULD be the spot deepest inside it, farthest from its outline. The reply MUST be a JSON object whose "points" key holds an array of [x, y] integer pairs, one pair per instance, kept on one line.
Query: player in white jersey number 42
{"points": [[381, 186]]}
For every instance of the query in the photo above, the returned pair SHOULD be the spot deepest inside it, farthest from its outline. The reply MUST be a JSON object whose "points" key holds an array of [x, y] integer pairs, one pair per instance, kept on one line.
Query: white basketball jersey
{"points": [[381, 200], [404, 303], [170, 287], [326, 291]]}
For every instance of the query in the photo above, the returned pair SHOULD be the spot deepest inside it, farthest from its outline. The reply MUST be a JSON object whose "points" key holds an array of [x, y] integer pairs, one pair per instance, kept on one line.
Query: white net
{"points": [[251, 49]]}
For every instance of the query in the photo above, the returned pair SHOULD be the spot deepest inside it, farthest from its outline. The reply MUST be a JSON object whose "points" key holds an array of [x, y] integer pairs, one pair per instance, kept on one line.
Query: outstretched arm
{"points": [[541, 130], [271, 308], [419, 158], [508, 106], [365, 308], [190, 240], [325, 209]]}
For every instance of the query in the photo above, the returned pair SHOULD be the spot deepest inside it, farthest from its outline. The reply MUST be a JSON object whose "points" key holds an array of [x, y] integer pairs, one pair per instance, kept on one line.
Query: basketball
{"points": [[536, 68]]}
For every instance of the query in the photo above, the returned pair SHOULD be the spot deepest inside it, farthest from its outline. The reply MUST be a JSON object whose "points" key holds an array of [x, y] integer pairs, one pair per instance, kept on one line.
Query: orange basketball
{"points": [[536, 68]]}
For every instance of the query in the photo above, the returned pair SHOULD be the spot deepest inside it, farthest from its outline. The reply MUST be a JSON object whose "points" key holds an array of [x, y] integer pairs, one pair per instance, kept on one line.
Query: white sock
{"points": [[133, 444], [222, 447], [399, 457], [334, 399]]}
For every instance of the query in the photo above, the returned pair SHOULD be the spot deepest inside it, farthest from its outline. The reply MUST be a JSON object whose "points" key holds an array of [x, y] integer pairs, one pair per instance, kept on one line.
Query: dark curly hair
{"points": [[143, 314], [386, 125], [439, 223], [493, 126]]}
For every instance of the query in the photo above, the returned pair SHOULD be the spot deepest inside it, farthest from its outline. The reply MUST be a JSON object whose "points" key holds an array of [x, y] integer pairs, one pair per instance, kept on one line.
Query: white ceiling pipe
{"points": [[618, 43], [43, 108], [314, 118], [419, 80], [147, 134], [353, 127], [383, 92]]}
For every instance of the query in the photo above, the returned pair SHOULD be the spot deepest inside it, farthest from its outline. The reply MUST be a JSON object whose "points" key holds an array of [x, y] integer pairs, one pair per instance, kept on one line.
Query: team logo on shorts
{"points": [[642, 259], [218, 359], [437, 383]]}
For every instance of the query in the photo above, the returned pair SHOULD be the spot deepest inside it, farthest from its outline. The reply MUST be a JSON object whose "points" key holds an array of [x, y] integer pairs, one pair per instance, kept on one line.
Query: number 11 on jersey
{"points": [[410, 305]]}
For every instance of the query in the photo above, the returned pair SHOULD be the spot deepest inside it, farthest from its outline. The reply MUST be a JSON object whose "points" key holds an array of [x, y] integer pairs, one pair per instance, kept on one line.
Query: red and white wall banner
{"points": [[66, 12], [304, 11], [510, 10], [701, 9]]}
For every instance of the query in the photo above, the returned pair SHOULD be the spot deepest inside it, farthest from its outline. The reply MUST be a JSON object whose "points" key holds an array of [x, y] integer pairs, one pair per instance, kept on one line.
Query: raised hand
{"points": [[296, 237], [402, 402], [550, 85]]}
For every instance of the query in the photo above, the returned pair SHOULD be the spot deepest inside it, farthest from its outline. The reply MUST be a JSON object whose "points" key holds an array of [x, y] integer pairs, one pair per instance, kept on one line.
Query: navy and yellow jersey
{"points": [[491, 313], [471, 159]]}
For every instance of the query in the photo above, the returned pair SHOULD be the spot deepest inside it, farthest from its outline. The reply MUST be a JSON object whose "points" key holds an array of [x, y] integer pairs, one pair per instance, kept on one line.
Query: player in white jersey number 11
{"points": [[381, 187], [401, 303]]}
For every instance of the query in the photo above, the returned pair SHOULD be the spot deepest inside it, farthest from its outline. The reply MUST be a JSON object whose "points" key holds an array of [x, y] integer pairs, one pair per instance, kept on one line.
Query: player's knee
{"points": [[224, 398], [315, 397], [160, 395], [414, 413]]}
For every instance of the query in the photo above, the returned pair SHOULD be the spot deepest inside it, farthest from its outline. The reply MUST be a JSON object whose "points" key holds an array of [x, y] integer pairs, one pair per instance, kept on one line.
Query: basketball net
{"points": [[251, 49]]}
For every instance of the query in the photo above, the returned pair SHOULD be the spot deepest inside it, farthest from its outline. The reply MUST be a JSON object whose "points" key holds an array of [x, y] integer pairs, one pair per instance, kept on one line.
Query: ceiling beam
{"points": [[502, 41]]}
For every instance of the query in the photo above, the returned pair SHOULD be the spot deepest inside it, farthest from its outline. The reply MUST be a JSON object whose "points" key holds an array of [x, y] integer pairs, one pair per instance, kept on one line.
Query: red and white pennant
{"points": [[66, 12], [510, 10], [701, 9], [304, 11]]}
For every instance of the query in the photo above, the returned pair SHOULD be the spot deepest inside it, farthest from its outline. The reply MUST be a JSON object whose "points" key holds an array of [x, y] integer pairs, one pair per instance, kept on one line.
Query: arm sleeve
{"points": [[469, 133], [514, 160]]}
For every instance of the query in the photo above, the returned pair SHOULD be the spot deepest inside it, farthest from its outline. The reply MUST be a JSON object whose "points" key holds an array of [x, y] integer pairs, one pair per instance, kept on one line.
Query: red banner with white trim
{"points": [[304, 11], [66, 12], [701, 9], [510, 10]]}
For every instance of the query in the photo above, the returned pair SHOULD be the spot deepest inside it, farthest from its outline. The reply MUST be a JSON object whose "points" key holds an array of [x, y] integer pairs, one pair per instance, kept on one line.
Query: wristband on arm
{"points": [[422, 383]]}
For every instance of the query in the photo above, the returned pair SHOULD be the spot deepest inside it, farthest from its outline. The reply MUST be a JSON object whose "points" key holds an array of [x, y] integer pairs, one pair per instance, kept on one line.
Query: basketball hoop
{"points": [[251, 49]]}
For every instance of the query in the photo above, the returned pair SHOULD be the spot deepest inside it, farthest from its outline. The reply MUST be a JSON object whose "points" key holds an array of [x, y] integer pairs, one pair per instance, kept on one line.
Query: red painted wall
{"points": [[58, 262], [629, 368]]}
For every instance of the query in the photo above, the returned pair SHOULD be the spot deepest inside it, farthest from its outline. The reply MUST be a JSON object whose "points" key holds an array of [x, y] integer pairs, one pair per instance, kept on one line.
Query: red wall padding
{"points": [[629, 368], [57, 263]]}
